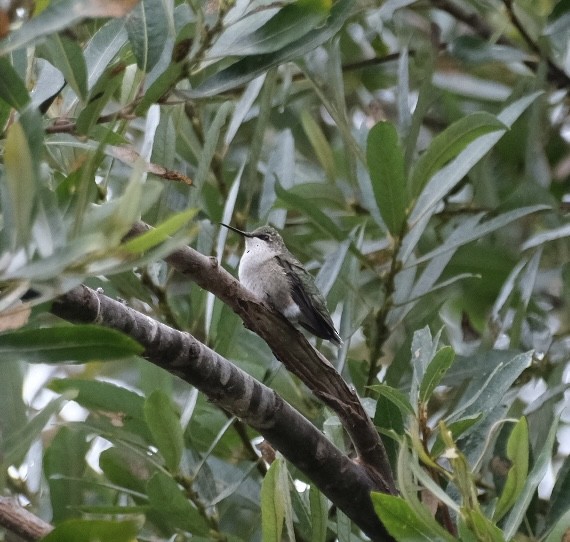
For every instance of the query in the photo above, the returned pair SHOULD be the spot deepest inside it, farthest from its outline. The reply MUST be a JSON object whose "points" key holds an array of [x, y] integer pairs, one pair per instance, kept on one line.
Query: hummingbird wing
{"points": [[314, 314]]}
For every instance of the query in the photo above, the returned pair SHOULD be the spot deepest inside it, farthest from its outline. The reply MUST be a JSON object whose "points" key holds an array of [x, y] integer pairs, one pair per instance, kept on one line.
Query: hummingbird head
{"points": [[265, 239]]}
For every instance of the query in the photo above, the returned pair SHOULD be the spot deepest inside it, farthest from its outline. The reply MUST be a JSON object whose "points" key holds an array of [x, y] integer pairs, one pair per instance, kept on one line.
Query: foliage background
{"points": [[415, 155]]}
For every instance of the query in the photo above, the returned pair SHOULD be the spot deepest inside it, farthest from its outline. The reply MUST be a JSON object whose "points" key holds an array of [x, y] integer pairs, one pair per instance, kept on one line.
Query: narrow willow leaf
{"points": [[319, 514], [164, 425], [319, 143], [64, 467], [402, 522], [22, 182], [483, 527], [248, 68], [560, 497], [242, 107], [211, 142], [60, 15], [98, 395], [456, 429], [273, 503], [74, 344], [560, 529], [517, 453], [87, 530], [67, 56], [535, 476], [385, 160], [102, 48], [450, 175], [395, 396], [435, 371], [288, 25], [547, 236], [147, 28], [160, 233], [12, 89], [449, 143], [16, 446], [485, 393], [469, 234], [312, 211], [168, 499]]}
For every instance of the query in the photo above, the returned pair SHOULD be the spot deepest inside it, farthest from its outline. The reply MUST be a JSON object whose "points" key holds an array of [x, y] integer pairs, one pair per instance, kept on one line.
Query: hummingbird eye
{"points": [[264, 237]]}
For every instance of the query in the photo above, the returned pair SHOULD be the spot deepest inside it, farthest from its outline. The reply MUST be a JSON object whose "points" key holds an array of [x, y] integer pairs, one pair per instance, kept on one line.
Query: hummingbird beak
{"points": [[244, 233]]}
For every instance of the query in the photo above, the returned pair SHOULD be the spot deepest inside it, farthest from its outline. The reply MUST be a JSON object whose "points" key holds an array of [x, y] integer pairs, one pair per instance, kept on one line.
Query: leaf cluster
{"points": [[415, 158]]}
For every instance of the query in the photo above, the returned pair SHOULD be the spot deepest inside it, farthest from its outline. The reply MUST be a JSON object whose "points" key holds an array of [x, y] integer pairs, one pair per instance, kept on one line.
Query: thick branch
{"points": [[18, 520], [344, 481], [295, 352]]}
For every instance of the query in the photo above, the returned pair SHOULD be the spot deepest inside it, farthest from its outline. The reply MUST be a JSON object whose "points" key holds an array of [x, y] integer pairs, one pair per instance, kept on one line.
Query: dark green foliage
{"points": [[414, 159]]}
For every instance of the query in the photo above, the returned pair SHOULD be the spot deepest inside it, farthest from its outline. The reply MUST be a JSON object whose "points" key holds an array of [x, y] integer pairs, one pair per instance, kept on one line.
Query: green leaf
{"points": [[484, 393], [67, 56], [104, 396], [517, 453], [321, 219], [288, 25], [560, 530], [457, 429], [464, 235], [64, 467], [12, 89], [435, 371], [391, 410], [169, 501], [161, 233], [163, 83], [164, 425], [274, 493], [535, 476], [401, 521], [449, 176], [16, 445], [480, 528], [560, 497], [319, 514], [58, 16], [91, 530], [386, 165], [544, 237], [448, 144], [125, 470], [147, 28], [396, 397], [76, 344], [22, 182], [102, 48], [248, 68], [319, 143], [211, 142], [101, 94]]}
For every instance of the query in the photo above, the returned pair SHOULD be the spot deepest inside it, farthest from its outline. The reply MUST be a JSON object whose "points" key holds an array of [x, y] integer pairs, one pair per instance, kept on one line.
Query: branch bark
{"points": [[18, 520], [345, 482], [295, 352]]}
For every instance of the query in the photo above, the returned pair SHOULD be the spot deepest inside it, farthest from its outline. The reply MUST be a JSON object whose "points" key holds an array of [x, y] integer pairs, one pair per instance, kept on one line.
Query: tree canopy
{"points": [[413, 155]]}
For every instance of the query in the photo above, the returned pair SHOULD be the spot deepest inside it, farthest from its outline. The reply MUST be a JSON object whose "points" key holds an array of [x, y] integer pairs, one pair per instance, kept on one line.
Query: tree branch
{"points": [[295, 352], [18, 520], [344, 481]]}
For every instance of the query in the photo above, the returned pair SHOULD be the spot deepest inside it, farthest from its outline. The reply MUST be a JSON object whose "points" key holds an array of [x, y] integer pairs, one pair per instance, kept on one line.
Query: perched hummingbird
{"points": [[270, 271]]}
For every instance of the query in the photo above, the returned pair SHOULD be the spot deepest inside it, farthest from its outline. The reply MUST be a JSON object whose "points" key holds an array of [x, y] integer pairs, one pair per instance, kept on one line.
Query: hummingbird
{"points": [[271, 272]]}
